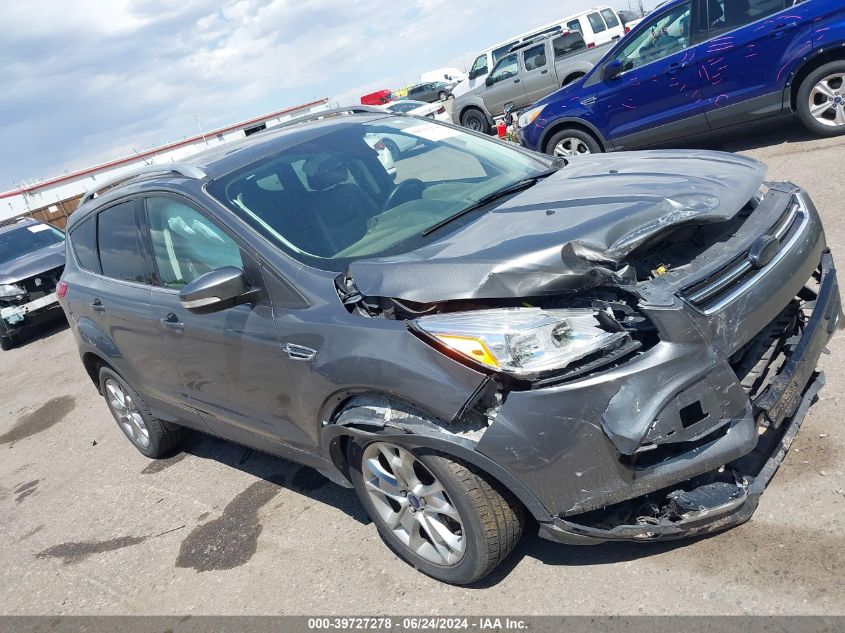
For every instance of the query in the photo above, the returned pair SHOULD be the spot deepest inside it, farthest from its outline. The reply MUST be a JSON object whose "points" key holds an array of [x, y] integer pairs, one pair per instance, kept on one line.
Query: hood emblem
{"points": [[763, 250]]}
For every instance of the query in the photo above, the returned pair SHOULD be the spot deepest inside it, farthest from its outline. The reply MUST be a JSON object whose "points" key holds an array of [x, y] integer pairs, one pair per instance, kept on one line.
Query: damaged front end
{"points": [[649, 358]]}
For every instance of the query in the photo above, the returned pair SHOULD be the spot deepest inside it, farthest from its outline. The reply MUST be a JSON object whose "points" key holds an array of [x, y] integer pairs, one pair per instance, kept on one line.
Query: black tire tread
{"points": [[804, 93], [165, 438], [503, 517]]}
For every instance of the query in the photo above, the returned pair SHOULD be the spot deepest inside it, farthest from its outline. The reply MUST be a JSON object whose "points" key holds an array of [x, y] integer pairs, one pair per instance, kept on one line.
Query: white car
{"points": [[385, 156], [398, 144]]}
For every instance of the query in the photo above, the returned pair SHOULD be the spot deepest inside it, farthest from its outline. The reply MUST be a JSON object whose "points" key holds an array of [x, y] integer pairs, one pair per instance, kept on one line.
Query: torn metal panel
{"points": [[570, 231]]}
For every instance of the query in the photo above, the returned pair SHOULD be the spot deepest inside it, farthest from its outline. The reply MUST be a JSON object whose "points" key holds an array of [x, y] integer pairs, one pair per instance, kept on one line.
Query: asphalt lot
{"points": [[90, 526]]}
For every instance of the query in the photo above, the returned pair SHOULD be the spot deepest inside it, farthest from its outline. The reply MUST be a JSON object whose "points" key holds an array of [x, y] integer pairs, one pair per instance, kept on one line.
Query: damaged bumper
{"points": [[674, 443], [710, 507], [15, 315]]}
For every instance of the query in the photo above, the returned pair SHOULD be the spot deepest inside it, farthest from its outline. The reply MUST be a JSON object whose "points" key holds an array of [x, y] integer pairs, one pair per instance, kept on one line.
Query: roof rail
{"points": [[183, 169], [313, 116]]}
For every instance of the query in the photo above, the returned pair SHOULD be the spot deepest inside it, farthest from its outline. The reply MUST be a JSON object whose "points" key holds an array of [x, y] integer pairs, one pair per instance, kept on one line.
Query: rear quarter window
{"points": [[610, 18], [83, 241], [596, 23]]}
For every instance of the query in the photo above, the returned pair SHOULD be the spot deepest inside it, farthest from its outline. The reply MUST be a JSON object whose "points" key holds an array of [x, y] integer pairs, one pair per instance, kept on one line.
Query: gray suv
{"points": [[620, 349]]}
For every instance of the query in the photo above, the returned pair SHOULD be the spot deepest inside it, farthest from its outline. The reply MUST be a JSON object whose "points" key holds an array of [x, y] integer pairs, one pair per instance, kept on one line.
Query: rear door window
{"points": [[596, 23], [568, 43], [119, 244], [534, 57], [727, 15], [83, 240], [575, 25]]}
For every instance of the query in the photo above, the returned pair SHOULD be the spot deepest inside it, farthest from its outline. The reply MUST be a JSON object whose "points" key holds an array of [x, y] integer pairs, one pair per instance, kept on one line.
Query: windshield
{"points": [[27, 239], [370, 189]]}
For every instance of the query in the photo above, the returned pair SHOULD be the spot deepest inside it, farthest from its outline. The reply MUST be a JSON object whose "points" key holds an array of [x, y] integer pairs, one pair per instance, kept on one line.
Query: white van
{"points": [[446, 75], [598, 26]]}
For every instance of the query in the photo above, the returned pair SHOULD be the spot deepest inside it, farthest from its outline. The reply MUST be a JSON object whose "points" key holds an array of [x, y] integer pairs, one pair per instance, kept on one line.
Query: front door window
{"points": [[665, 36]]}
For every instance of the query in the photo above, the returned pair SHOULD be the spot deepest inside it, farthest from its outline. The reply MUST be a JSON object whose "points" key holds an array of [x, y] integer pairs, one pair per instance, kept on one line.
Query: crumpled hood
{"points": [[33, 263], [570, 231]]}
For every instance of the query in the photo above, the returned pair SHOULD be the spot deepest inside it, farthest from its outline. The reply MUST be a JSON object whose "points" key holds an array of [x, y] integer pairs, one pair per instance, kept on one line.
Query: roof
{"points": [[224, 159], [10, 226], [152, 152]]}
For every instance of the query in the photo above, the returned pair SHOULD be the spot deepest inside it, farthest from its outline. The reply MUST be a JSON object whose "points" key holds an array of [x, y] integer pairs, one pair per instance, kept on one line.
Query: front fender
{"points": [[419, 436]]}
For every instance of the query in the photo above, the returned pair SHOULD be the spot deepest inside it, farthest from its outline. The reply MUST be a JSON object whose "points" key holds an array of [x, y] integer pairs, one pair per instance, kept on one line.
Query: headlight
{"points": [[523, 341], [527, 118], [10, 291]]}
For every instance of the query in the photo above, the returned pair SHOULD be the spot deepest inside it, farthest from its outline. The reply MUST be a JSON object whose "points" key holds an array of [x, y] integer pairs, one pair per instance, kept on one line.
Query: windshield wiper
{"points": [[519, 185]]}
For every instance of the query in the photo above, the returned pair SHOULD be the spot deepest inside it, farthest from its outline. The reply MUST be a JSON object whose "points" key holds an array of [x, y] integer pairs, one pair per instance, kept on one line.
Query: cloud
{"points": [[85, 80]]}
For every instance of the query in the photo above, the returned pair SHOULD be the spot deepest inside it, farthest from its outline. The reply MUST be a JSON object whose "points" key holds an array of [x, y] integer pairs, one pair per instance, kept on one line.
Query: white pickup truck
{"points": [[529, 72]]}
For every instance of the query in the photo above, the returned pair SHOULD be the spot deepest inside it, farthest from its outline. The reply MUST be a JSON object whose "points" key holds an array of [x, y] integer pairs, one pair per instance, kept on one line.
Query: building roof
{"points": [[164, 148]]}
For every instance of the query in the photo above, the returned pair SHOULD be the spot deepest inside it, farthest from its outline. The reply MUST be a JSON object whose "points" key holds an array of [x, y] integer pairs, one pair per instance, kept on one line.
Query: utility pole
{"points": [[197, 119]]}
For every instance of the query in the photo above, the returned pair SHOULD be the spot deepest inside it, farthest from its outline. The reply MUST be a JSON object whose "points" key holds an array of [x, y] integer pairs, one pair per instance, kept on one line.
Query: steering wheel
{"points": [[406, 190]]}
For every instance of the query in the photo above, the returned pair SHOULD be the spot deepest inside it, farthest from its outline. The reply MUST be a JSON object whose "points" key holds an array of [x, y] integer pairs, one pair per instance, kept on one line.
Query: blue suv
{"points": [[693, 66]]}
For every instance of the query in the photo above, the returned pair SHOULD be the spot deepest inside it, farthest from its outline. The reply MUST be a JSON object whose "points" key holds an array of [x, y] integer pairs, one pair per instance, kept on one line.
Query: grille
{"points": [[42, 284], [730, 281]]}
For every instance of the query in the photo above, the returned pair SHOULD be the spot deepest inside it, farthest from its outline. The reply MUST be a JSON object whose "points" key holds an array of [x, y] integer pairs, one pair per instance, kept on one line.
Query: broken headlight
{"points": [[11, 291], [525, 341]]}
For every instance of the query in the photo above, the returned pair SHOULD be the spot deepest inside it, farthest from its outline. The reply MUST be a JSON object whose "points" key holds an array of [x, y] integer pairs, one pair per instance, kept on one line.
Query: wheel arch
{"points": [[573, 76], [578, 124], [819, 59], [416, 433], [93, 363]]}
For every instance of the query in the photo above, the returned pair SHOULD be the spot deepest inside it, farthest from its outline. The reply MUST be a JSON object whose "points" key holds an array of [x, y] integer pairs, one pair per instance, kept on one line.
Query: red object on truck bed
{"points": [[379, 97]]}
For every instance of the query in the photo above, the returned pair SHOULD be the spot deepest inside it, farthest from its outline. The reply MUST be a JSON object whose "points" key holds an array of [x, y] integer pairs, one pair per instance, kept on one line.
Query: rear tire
{"points": [[475, 121], [152, 437], [823, 87], [444, 96], [484, 524], [6, 343]]}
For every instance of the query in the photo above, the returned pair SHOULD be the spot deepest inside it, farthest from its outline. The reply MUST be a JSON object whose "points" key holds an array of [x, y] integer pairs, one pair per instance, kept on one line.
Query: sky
{"points": [[84, 81]]}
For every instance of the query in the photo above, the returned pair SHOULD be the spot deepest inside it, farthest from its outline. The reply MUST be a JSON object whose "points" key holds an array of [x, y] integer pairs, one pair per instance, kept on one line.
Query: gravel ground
{"points": [[90, 526]]}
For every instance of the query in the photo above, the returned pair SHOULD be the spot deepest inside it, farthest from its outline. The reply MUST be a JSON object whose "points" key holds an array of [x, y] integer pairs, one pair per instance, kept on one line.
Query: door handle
{"points": [[781, 29], [172, 322], [97, 306], [299, 352], [516, 81], [674, 69], [543, 72]]}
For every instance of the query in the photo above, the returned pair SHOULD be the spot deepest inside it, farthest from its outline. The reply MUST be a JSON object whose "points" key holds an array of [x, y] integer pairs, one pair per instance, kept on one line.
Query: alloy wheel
{"points": [[571, 146], [126, 413], [413, 504], [827, 101]]}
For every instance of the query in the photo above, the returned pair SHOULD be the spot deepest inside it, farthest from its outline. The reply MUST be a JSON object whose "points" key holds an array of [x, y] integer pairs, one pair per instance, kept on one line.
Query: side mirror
{"points": [[489, 80], [612, 70], [217, 290]]}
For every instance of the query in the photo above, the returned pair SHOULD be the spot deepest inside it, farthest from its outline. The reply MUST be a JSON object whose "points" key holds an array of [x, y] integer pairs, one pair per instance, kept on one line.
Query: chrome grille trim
{"points": [[796, 221]]}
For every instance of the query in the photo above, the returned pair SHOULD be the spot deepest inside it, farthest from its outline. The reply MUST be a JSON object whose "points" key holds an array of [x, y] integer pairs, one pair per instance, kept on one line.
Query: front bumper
{"points": [[15, 317], [674, 428]]}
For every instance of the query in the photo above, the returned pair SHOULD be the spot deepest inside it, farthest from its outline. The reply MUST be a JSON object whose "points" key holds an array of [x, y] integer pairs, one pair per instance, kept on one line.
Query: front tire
{"points": [[152, 437], [6, 343], [821, 100], [442, 516], [572, 142], [444, 96]]}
